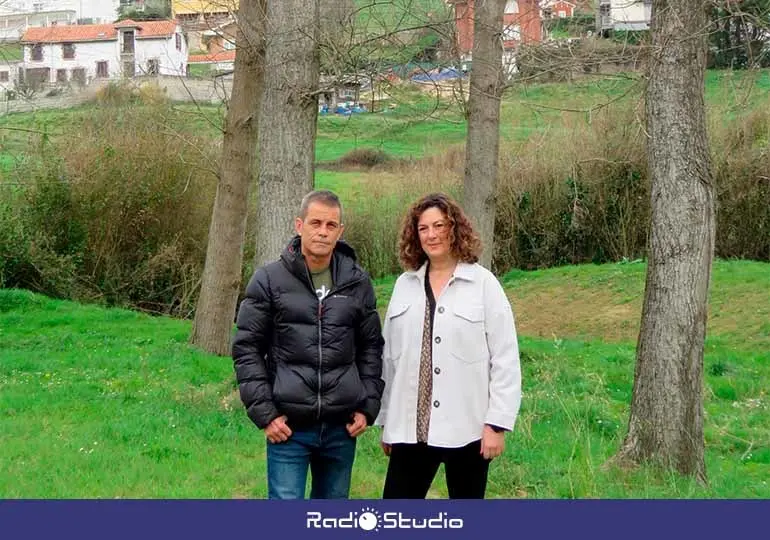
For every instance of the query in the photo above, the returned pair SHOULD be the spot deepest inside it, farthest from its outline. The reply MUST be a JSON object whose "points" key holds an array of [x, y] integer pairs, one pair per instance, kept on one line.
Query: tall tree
{"points": [[288, 114], [483, 140], [666, 421], [221, 279]]}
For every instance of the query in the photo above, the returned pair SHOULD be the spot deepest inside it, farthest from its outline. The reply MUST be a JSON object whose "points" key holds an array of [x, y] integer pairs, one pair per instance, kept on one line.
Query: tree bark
{"points": [[221, 279], [666, 421], [288, 114], [483, 140]]}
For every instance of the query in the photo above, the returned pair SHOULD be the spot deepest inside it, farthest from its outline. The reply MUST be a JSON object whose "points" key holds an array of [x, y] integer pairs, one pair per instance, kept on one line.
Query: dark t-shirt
{"points": [[322, 282]]}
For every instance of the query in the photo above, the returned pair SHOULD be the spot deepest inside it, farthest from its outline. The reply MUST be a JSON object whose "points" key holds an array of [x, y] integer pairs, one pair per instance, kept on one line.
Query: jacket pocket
{"points": [[397, 330], [468, 333]]}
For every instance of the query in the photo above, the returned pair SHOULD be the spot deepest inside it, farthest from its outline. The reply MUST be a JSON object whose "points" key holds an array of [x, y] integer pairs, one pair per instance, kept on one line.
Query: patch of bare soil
{"points": [[569, 312]]}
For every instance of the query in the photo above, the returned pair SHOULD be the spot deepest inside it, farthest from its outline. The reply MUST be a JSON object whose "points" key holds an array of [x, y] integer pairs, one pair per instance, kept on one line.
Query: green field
{"points": [[111, 403], [420, 125]]}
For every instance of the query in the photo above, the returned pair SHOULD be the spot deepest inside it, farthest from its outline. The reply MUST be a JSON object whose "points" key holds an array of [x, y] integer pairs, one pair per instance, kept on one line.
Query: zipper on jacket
{"points": [[320, 326], [320, 353], [320, 338]]}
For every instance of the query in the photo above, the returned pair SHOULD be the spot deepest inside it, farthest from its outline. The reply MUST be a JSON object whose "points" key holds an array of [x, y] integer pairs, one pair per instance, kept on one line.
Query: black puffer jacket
{"points": [[308, 359]]}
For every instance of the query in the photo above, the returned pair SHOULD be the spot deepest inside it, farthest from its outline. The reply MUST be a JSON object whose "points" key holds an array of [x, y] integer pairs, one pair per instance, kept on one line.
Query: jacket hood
{"points": [[343, 265]]}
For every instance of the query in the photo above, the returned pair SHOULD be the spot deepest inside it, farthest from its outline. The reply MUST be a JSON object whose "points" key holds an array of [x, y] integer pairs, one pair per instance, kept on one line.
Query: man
{"points": [[308, 355]]}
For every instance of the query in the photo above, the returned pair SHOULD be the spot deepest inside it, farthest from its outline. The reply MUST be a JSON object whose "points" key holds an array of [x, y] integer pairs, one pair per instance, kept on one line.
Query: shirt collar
{"points": [[463, 271]]}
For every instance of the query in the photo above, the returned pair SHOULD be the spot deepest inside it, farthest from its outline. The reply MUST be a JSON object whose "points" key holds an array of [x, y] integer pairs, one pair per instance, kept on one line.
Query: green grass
{"points": [[110, 403], [201, 70], [7, 162], [11, 52]]}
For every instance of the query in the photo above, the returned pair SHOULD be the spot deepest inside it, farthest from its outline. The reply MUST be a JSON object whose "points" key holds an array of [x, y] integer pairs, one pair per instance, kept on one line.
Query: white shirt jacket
{"points": [[476, 369]]}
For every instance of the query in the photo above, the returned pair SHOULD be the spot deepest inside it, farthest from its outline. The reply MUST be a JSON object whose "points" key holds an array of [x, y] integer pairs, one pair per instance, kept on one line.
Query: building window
{"points": [[36, 52], [68, 51], [228, 45], [4, 76], [37, 77], [512, 32], [153, 66], [102, 70], [61, 75], [511, 6], [128, 42], [562, 14], [178, 38], [129, 69], [79, 76]]}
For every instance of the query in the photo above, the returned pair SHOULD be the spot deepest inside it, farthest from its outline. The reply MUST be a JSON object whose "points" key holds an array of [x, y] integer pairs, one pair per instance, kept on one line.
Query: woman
{"points": [[451, 359]]}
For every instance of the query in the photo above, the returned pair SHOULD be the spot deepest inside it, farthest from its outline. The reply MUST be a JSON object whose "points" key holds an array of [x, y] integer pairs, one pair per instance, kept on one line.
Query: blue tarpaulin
{"points": [[438, 74]]}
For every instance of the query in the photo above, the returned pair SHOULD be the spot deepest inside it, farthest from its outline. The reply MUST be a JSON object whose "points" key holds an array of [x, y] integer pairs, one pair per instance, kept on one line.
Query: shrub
{"points": [[120, 216], [119, 213], [14, 261], [574, 195], [581, 193], [741, 165], [364, 157]]}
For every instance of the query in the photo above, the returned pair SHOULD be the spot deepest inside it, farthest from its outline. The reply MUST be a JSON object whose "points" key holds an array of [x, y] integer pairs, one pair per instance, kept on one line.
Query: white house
{"points": [[625, 14], [81, 53], [9, 72]]}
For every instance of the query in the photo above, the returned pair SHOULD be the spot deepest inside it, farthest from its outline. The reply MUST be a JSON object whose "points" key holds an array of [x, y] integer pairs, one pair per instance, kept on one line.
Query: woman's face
{"points": [[433, 228]]}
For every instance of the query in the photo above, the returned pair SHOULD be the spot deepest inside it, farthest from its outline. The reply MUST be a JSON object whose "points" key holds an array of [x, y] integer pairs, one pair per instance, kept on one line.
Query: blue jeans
{"points": [[327, 449]]}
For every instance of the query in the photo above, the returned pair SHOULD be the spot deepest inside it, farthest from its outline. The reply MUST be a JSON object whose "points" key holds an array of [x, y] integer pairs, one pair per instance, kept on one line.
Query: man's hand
{"points": [[492, 443], [277, 431], [358, 425], [385, 448]]}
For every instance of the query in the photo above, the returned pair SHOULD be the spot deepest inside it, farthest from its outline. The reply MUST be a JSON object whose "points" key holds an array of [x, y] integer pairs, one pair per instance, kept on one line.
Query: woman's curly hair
{"points": [[465, 242]]}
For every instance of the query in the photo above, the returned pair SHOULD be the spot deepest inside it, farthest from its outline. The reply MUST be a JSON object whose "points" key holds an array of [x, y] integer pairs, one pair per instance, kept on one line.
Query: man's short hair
{"points": [[323, 196]]}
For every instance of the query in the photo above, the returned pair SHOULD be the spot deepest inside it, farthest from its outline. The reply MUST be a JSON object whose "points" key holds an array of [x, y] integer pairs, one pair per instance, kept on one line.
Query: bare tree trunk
{"points": [[483, 141], [666, 421], [222, 273], [288, 117]]}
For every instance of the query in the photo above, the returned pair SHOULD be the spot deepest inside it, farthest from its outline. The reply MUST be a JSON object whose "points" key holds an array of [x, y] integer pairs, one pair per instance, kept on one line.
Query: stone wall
{"points": [[180, 89]]}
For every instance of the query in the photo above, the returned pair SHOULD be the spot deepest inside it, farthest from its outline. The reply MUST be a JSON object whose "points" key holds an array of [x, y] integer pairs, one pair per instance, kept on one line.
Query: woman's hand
{"points": [[492, 443], [385, 448]]}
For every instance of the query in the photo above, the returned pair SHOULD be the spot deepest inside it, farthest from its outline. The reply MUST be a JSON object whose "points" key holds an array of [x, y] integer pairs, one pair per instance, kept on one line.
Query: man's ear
{"points": [[298, 225], [342, 230]]}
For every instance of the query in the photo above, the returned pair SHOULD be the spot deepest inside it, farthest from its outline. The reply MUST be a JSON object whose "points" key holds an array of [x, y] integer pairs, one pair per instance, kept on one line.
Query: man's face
{"points": [[320, 229]]}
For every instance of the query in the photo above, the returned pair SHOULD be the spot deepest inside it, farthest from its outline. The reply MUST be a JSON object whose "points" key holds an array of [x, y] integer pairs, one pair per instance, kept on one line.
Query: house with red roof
{"points": [[218, 62], [558, 9], [521, 24], [81, 53]]}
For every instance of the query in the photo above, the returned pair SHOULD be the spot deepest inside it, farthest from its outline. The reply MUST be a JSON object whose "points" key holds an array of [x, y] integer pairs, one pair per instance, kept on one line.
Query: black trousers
{"points": [[412, 468]]}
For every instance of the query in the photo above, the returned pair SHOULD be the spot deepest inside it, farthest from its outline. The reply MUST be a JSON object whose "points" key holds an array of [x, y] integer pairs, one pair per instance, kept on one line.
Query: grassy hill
{"points": [[111, 403]]}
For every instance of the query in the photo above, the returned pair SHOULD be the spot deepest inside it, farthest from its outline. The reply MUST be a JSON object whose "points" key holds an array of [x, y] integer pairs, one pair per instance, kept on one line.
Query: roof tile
{"points": [[96, 32]]}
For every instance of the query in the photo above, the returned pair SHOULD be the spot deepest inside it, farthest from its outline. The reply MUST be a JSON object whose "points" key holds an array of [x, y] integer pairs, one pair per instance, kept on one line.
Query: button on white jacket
{"points": [[476, 371]]}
